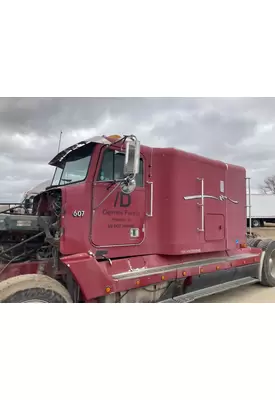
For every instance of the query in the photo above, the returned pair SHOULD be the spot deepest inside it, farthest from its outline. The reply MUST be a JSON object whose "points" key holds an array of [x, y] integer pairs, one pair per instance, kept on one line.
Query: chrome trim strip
{"points": [[139, 272]]}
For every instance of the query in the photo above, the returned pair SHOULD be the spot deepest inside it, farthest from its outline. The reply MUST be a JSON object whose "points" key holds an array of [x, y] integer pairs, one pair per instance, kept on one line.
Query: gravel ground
{"points": [[247, 294]]}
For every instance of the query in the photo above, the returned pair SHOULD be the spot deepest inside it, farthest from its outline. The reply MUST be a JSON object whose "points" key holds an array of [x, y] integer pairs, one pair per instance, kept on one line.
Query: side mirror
{"points": [[132, 157], [128, 186]]}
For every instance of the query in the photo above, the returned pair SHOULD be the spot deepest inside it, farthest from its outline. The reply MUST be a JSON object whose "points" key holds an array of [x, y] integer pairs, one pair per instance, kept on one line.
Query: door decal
{"points": [[125, 200]]}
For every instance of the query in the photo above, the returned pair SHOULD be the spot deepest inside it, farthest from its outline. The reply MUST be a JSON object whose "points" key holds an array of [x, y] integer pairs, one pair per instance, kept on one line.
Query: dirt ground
{"points": [[268, 231], [247, 294]]}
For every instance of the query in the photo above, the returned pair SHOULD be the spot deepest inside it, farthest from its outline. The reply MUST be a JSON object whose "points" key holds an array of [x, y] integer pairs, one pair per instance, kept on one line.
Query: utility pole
{"points": [[59, 144]]}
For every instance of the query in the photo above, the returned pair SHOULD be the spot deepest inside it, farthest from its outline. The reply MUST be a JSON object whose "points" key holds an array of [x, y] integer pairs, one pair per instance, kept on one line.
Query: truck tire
{"points": [[256, 223], [268, 271], [253, 242], [33, 289]]}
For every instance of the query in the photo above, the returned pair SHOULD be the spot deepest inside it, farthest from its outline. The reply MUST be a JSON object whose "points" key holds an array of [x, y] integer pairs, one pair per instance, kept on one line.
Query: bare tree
{"points": [[269, 185]]}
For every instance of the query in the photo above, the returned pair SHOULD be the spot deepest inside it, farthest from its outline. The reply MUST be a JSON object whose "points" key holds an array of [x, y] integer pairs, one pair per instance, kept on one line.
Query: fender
{"points": [[24, 268], [91, 275], [260, 271]]}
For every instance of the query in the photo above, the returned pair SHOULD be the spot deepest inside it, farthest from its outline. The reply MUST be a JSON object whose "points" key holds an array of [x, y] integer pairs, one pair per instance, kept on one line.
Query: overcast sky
{"points": [[236, 130]]}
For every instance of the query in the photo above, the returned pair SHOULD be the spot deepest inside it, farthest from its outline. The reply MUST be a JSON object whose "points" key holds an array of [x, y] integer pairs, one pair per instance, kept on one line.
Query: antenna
{"points": [[59, 144]]}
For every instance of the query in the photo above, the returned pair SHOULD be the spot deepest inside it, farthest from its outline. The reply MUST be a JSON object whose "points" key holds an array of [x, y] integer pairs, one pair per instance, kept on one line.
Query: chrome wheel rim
{"points": [[34, 301]]}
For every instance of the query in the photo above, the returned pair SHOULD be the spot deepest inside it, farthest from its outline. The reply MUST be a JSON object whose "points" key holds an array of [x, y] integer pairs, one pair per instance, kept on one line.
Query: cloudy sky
{"points": [[236, 130]]}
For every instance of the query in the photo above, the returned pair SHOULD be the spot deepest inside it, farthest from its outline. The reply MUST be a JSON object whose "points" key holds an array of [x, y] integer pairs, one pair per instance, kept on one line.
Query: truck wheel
{"points": [[268, 271], [253, 242], [256, 223], [33, 289]]}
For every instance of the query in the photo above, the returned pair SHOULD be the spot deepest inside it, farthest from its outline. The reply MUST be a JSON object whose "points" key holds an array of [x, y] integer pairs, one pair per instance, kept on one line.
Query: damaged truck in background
{"points": [[25, 205]]}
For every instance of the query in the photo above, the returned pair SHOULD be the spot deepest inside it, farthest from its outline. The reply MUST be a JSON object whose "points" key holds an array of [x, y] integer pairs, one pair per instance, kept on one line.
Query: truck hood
{"points": [[57, 160], [37, 189]]}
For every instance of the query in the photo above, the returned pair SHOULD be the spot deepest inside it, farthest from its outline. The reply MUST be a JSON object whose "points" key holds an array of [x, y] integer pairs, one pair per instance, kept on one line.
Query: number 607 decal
{"points": [[78, 213]]}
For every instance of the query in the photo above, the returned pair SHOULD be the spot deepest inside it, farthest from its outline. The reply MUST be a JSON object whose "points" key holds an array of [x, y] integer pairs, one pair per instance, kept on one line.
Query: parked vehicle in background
{"points": [[262, 209], [27, 200], [25, 206]]}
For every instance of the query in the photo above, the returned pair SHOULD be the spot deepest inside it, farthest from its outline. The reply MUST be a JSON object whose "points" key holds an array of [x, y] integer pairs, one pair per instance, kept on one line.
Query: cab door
{"points": [[215, 205], [118, 219]]}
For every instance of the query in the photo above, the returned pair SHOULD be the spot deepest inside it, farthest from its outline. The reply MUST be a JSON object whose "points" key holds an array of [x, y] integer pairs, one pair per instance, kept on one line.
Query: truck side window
{"points": [[112, 168], [106, 172]]}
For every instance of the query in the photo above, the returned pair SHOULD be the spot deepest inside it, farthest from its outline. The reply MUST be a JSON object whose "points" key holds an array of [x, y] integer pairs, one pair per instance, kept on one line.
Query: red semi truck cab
{"points": [[132, 223], [182, 203]]}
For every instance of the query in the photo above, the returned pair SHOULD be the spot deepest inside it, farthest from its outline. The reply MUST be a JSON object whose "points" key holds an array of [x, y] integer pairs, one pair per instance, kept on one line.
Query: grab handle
{"points": [[151, 199], [201, 205]]}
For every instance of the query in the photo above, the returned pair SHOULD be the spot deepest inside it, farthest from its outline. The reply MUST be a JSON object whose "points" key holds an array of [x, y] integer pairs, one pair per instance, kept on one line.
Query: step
{"points": [[223, 287]]}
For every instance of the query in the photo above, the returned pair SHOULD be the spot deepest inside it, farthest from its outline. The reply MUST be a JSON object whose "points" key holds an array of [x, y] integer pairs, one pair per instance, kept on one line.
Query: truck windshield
{"points": [[74, 167]]}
